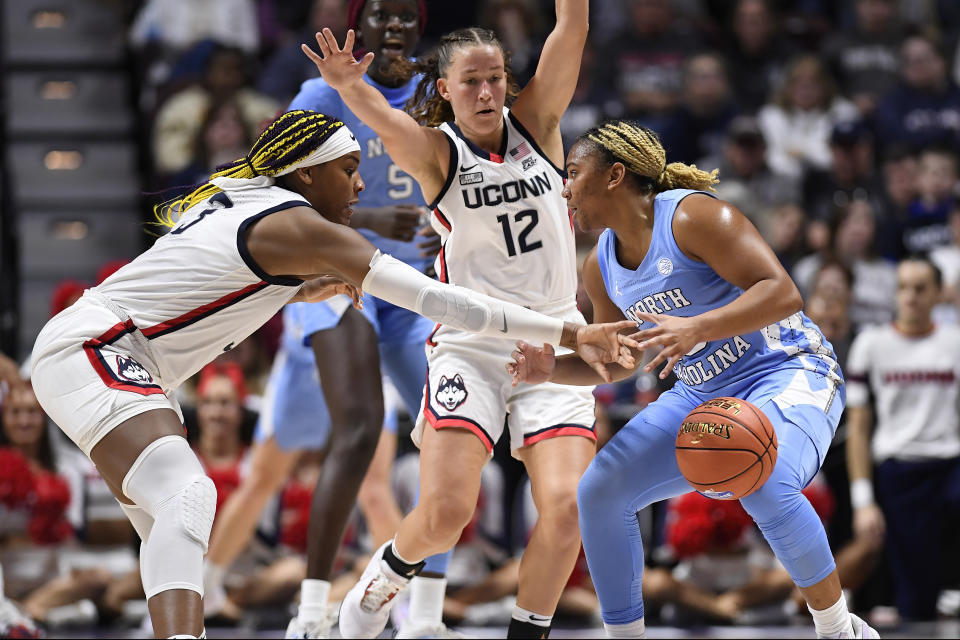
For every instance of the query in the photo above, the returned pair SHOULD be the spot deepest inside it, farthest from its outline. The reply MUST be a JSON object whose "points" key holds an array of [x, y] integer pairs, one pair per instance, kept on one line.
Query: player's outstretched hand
{"points": [[601, 344], [338, 66], [319, 289], [676, 336], [531, 364], [397, 222]]}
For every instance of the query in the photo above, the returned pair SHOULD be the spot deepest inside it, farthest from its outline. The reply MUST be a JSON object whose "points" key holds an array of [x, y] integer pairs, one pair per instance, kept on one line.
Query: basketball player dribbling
{"points": [[493, 178], [267, 229], [707, 290]]}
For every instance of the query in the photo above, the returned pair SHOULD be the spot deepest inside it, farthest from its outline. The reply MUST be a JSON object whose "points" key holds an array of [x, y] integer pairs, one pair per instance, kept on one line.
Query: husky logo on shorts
{"points": [[451, 392], [130, 369]]}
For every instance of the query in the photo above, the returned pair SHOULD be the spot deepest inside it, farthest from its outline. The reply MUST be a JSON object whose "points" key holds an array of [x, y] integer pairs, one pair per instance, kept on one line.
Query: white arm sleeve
{"points": [[457, 307]]}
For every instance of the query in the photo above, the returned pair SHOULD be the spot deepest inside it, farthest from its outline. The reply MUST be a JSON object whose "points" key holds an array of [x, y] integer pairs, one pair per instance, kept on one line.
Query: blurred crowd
{"points": [[836, 129]]}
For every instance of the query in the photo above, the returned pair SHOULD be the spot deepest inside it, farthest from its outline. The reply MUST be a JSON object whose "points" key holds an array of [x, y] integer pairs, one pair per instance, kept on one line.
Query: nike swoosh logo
{"points": [[536, 619], [462, 168], [504, 330]]}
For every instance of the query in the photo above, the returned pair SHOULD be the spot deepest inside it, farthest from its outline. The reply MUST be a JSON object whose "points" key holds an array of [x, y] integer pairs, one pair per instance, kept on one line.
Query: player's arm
{"points": [[717, 233], [300, 242], [868, 521], [533, 364], [423, 152], [543, 101]]}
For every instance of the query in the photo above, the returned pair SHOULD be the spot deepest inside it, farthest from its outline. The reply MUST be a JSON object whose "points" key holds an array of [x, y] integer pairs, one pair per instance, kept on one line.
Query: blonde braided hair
{"points": [[289, 139], [639, 149]]}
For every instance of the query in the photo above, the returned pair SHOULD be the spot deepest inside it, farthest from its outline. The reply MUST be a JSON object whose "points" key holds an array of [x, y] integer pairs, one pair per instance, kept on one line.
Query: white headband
{"points": [[340, 143]]}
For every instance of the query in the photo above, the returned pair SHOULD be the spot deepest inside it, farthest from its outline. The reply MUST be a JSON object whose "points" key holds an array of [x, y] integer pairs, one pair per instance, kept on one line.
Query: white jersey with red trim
{"points": [[506, 229], [198, 292]]}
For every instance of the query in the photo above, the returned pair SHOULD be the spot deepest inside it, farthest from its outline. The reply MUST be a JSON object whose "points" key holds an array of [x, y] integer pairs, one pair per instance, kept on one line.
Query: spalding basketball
{"points": [[726, 448]]}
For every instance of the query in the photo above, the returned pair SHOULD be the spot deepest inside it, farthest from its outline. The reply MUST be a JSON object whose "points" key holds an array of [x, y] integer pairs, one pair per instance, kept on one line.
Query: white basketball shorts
{"points": [[90, 373], [468, 387]]}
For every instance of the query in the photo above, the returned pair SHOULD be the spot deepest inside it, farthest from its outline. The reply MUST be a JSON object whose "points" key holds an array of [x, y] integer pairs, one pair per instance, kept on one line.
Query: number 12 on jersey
{"points": [[518, 218]]}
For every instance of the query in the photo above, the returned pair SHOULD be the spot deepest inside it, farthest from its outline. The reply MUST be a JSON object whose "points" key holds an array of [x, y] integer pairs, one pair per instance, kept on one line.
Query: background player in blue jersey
{"points": [[341, 349], [707, 291]]}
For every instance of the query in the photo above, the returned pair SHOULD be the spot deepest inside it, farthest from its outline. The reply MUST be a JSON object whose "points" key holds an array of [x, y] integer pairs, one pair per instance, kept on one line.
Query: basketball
{"points": [[726, 448]]}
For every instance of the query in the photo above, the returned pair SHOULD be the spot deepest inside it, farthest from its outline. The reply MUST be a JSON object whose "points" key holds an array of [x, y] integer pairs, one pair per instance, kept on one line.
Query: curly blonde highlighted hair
{"points": [[287, 140], [640, 151]]}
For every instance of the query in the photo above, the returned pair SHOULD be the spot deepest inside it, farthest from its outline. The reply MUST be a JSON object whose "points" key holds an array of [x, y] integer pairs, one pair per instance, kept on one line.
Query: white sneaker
{"points": [[14, 623], [422, 629], [303, 629], [366, 609], [861, 629]]}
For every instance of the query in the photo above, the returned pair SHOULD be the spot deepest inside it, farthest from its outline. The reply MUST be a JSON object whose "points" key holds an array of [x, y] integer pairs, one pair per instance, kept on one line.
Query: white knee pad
{"points": [[168, 482], [140, 519]]}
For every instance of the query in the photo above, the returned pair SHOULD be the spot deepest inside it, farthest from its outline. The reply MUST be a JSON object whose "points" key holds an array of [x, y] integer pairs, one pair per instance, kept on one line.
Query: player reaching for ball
{"points": [[266, 229], [710, 294]]}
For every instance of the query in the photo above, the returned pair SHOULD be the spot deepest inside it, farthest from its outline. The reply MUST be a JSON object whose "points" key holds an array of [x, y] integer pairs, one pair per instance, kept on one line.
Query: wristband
{"points": [[861, 493]]}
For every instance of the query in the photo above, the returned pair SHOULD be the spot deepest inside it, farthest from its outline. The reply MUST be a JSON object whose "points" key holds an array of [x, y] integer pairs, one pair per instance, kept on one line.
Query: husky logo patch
{"points": [[130, 369], [451, 392]]}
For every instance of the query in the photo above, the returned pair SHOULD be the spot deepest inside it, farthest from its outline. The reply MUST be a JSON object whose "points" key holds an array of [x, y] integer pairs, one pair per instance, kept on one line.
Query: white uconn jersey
{"points": [[197, 292], [505, 228]]}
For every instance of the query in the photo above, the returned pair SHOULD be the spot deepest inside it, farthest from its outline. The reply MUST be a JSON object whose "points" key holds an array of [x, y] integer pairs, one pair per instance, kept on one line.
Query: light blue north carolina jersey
{"points": [[385, 183], [669, 282]]}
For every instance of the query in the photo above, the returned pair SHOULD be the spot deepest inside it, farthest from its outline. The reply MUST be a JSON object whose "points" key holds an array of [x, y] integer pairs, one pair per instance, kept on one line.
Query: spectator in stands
{"points": [[520, 28], [912, 368], [253, 579], [925, 108], [748, 181], [832, 315], [785, 233], [865, 58], [645, 62], [181, 116], [726, 571], [852, 232], [220, 395], [696, 128], [851, 175], [176, 25], [947, 259], [925, 227], [223, 137], [34, 497], [287, 68], [899, 169], [593, 99], [798, 121], [65, 294], [757, 53]]}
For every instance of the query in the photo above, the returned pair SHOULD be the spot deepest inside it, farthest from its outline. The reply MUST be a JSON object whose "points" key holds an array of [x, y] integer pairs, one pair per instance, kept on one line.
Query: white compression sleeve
{"points": [[460, 308]]}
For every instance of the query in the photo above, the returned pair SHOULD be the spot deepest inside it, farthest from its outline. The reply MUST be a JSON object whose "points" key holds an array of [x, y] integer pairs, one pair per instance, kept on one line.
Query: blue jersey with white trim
{"points": [[669, 282], [385, 183]]}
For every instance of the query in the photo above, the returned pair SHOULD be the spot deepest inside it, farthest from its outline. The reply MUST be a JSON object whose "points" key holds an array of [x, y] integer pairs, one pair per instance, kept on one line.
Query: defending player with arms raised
{"points": [[710, 294], [325, 384], [268, 229], [493, 179]]}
